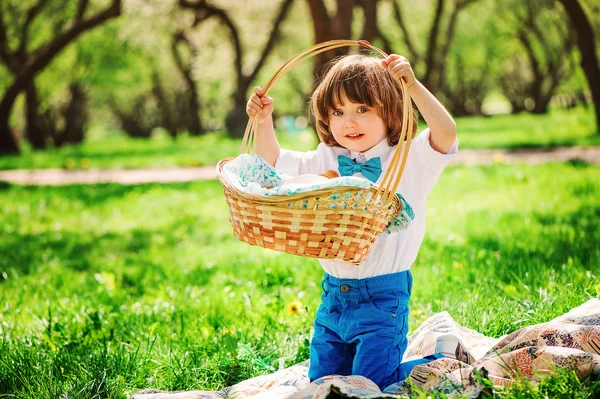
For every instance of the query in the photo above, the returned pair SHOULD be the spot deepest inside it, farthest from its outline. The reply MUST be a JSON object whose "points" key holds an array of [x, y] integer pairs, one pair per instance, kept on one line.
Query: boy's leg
{"points": [[329, 353], [381, 341], [382, 327]]}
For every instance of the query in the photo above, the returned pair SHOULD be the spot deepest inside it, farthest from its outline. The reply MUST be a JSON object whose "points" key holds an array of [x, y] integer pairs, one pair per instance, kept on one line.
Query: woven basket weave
{"points": [[338, 223]]}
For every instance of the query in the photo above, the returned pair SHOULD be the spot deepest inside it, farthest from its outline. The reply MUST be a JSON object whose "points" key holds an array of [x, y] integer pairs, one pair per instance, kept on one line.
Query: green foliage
{"points": [[108, 289], [116, 60]]}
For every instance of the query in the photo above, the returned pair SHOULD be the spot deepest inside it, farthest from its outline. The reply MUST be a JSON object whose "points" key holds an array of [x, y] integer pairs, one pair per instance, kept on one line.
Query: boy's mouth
{"points": [[354, 136]]}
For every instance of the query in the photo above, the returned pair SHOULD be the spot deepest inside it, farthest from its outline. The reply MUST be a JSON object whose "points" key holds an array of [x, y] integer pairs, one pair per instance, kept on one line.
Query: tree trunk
{"points": [[138, 121], [321, 31], [430, 58], [34, 129], [326, 28], [587, 47], [370, 31], [76, 116], [193, 121], [167, 117], [541, 106], [237, 119], [8, 144]]}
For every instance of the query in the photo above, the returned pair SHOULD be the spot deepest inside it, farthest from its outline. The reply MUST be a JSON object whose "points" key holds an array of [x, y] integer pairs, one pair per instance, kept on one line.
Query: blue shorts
{"points": [[361, 328]]}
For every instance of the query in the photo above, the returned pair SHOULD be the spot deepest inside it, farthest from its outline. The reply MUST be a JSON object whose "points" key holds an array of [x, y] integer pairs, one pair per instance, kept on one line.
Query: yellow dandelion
{"points": [[69, 163], [294, 308], [416, 313], [84, 163], [227, 332], [510, 290], [457, 265], [498, 157]]}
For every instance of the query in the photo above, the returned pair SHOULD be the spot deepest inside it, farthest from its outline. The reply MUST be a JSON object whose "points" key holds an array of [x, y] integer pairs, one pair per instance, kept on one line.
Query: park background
{"points": [[106, 289]]}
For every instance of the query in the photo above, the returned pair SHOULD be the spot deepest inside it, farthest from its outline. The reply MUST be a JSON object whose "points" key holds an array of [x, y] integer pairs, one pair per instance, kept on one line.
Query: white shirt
{"points": [[390, 253]]}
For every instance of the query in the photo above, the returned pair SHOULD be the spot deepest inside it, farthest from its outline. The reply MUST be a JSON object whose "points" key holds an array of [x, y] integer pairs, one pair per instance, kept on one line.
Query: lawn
{"points": [[108, 289], [114, 150]]}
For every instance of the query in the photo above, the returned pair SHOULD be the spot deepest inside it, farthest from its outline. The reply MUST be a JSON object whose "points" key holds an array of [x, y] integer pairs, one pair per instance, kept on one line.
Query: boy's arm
{"points": [[265, 141], [441, 124]]}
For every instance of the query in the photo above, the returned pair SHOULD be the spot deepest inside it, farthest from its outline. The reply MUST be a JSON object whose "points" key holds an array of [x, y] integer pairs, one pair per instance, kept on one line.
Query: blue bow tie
{"points": [[370, 169]]}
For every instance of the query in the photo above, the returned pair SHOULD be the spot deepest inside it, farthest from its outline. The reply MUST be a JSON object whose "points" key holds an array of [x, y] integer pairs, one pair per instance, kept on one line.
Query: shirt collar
{"points": [[378, 150]]}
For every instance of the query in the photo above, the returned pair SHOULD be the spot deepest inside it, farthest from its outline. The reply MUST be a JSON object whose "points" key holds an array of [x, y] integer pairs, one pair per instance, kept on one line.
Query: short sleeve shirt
{"points": [[390, 253]]}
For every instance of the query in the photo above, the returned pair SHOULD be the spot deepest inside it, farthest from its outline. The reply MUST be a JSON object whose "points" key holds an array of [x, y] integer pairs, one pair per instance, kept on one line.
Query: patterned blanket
{"points": [[570, 341]]}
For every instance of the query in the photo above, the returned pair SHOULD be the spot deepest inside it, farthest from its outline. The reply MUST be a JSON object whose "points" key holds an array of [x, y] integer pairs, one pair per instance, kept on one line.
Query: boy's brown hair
{"points": [[362, 80]]}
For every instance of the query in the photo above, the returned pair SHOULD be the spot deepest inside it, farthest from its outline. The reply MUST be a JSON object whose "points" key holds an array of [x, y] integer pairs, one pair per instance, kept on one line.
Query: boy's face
{"points": [[356, 127]]}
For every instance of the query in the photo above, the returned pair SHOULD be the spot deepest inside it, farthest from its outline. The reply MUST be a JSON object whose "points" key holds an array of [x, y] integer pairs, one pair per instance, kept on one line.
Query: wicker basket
{"points": [[315, 224]]}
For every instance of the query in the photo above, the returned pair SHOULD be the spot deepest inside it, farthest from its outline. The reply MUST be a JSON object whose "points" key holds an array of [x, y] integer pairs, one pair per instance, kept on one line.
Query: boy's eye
{"points": [[362, 110], [337, 113]]}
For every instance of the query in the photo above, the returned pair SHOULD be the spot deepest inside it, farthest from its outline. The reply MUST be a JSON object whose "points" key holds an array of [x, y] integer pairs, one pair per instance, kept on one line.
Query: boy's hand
{"points": [[399, 68], [258, 104]]}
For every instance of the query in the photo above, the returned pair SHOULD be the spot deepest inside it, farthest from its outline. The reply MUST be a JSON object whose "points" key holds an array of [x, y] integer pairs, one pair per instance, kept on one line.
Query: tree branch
{"points": [[460, 5], [81, 9], [4, 51], [533, 27], [432, 43], [21, 52], [179, 37], [535, 65], [414, 55], [273, 36], [201, 6]]}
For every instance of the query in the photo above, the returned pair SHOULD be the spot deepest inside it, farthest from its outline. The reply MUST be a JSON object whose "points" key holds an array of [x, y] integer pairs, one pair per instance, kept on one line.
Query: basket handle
{"points": [[388, 185]]}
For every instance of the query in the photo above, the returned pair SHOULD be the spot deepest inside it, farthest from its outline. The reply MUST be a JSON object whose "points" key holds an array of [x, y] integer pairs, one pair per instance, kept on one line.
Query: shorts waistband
{"points": [[400, 281]]}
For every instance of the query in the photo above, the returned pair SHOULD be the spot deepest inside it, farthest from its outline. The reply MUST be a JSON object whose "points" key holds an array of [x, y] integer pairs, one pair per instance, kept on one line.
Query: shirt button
{"points": [[345, 288]]}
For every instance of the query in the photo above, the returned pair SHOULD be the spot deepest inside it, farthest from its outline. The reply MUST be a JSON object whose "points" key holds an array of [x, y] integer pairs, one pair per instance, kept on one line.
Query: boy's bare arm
{"points": [[265, 140], [440, 122]]}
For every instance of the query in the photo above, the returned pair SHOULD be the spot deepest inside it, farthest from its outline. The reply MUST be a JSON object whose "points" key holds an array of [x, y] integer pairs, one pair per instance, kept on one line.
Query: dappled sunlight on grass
{"points": [[147, 287]]}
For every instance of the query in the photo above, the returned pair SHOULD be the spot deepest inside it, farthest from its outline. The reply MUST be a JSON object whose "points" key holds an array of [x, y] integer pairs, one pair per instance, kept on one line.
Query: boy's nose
{"points": [[349, 123]]}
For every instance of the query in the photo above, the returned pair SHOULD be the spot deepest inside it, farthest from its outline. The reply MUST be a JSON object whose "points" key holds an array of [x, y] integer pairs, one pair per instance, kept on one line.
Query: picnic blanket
{"points": [[253, 175], [570, 341]]}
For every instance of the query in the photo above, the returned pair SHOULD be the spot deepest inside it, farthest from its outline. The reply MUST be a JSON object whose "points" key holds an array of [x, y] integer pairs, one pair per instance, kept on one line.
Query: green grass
{"points": [[108, 289], [558, 128], [113, 150]]}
